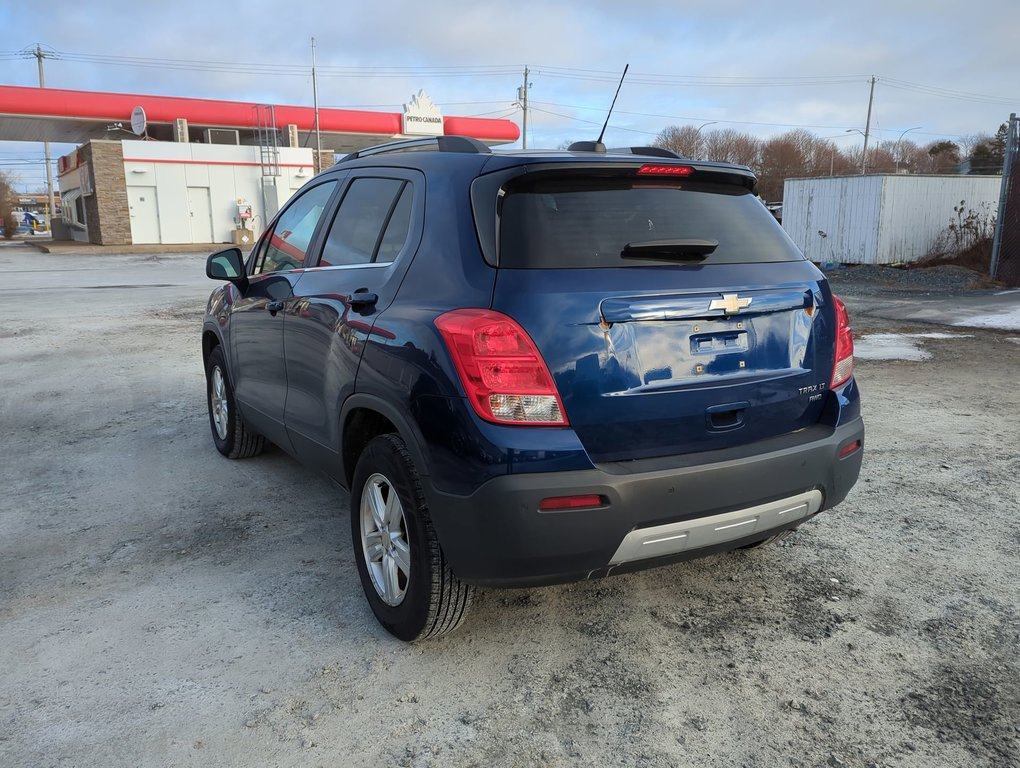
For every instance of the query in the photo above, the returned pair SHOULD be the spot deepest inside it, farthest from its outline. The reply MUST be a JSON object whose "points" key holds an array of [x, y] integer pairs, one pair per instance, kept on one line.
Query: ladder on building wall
{"points": [[268, 139]]}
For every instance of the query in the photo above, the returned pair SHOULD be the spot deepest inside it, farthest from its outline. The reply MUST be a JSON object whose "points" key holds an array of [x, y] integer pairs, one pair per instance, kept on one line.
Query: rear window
{"points": [[589, 222]]}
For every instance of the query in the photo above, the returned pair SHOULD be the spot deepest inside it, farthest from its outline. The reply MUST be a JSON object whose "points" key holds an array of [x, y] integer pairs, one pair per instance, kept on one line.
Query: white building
{"points": [[203, 171], [198, 193]]}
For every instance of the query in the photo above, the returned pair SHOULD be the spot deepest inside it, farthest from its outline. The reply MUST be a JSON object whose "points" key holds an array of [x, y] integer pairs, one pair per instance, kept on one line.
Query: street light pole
{"points": [[899, 141], [697, 137]]}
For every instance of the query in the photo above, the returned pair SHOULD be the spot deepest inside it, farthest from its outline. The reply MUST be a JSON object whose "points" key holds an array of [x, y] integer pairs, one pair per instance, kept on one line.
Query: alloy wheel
{"points": [[218, 402], [384, 539]]}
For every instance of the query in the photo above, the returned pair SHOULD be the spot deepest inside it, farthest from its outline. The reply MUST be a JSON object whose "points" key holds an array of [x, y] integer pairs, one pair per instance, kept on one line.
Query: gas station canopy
{"points": [[50, 114]]}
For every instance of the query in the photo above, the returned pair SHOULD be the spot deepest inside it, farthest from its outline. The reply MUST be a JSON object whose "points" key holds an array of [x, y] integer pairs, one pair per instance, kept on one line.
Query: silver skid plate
{"points": [[718, 529]]}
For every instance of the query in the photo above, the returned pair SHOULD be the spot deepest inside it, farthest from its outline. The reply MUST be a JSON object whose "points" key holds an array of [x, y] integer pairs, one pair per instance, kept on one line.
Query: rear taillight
{"points": [[501, 369], [665, 170], [843, 367]]}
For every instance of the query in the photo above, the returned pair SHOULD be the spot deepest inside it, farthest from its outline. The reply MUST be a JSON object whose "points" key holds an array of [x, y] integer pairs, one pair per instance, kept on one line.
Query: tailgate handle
{"points": [[721, 418]]}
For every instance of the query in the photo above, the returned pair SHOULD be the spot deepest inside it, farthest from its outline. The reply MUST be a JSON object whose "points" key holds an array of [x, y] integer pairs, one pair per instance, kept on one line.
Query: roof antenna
{"points": [[597, 145], [618, 87]]}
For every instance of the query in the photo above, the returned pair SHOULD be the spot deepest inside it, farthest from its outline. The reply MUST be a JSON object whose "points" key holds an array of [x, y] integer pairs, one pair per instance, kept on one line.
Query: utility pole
{"points": [[522, 95], [867, 128], [40, 55], [315, 98], [1008, 170]]}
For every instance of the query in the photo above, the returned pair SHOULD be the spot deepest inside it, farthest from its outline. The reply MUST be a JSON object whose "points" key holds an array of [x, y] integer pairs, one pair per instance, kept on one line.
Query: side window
{"points": [[284, 248], [259, 254], [361, 231], [395, 236]]}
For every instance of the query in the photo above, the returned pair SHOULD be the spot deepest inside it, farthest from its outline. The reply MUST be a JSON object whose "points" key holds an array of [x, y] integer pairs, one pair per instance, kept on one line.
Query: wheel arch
{"points": [[364, 417], [210, 340]]}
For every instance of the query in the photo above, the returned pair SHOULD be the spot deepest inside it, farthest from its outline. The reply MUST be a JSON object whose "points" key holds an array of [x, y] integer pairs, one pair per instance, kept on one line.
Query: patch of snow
{"points": [[1008, 320], [898, 346]]}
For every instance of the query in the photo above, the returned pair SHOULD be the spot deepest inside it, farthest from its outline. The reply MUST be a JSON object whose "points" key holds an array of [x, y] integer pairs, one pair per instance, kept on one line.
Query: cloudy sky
{"points": [[946, 70]]}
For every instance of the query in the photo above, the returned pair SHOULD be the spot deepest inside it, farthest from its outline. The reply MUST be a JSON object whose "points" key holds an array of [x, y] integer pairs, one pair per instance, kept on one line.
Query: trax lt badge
{"points": [[730, 303]]}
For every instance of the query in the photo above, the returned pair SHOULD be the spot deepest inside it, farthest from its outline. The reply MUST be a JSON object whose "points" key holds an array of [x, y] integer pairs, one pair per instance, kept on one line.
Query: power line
{"points": [[730, 122], [669, 81], [947, 93], [400, 106], [281, 69], [500, 113], [506, 70], [592, 122]]}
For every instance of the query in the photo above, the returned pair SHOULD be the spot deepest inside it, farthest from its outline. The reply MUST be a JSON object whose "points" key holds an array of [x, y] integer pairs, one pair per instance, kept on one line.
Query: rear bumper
{"points": [[663, 512]]}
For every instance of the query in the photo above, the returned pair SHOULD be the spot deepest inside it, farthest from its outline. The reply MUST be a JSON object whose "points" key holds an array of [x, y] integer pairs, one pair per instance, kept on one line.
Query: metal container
{"points": [[880, 219]]}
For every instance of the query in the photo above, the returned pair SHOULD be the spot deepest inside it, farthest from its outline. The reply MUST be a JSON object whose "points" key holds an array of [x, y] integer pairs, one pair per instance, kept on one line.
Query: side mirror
{"points": [[227, 264]]}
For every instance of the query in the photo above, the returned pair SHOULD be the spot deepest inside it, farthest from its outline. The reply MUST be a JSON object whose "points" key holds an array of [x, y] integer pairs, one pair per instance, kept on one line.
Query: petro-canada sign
{"points": [[421, 117]]}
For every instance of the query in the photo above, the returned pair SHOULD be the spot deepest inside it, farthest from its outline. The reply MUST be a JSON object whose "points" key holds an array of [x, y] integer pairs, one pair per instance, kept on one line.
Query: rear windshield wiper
{"points": [[687, 248]]}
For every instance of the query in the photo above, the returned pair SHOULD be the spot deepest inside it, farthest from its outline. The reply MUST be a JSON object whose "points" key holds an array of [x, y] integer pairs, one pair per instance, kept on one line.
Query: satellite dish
{"points": [[138, 121]]}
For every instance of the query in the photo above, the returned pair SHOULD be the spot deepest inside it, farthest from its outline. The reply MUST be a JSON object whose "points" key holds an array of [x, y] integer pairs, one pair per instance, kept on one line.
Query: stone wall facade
{"points": [[106, 209], [326, 159]]}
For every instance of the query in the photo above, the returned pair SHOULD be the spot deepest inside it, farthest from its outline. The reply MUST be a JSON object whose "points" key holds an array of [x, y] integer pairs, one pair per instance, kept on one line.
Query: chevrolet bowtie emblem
{"points": [[730, 303]]}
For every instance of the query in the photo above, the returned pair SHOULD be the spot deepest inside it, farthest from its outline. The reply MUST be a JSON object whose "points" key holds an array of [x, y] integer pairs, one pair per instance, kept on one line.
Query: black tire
{"points": [[238, 441], [433, 601]]}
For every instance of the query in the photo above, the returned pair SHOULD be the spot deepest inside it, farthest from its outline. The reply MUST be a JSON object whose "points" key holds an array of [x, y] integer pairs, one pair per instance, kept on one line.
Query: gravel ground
{"points": [[941, 279], [162, 606]]}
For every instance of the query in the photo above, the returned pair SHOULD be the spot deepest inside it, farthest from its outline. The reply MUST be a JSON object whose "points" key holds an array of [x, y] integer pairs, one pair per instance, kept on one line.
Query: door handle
{"points": [[363, 298], [274, 307]]}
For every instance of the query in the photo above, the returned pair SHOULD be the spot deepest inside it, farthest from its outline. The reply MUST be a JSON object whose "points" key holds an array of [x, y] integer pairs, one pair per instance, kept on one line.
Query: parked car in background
{"points": [[535, 367]]}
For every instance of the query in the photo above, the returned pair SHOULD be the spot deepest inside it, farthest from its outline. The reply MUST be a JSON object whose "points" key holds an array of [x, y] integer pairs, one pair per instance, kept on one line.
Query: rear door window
{"points": [[577, 222], [371, 224]]}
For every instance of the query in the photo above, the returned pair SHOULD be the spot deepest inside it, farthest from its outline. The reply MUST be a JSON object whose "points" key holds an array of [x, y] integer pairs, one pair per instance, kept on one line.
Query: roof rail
{"points": [[464, 144], [650, 151]]}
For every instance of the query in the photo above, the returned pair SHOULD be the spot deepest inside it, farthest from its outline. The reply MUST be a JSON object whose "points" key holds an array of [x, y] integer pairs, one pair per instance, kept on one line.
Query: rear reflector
{"points": [[501, 369], [557, 503], [843, 365], [665, 170], [849, 448]]}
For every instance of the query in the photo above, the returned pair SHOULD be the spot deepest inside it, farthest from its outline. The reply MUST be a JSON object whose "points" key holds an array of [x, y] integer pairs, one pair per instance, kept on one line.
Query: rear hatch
{"points": [[674, 313]]}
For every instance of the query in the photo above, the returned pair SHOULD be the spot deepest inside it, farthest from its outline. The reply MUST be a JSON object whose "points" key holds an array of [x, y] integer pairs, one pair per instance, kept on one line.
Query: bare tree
{"points": [[967, 144], [909, 156], [731, 146], [685, 140], [782, 157], [7, 216], [834, 161], [799, 153], [881, 159]]}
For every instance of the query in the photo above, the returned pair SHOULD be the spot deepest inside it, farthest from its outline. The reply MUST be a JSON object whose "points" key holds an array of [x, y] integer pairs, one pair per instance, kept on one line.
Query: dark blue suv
{"points": [[535, 367]]}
